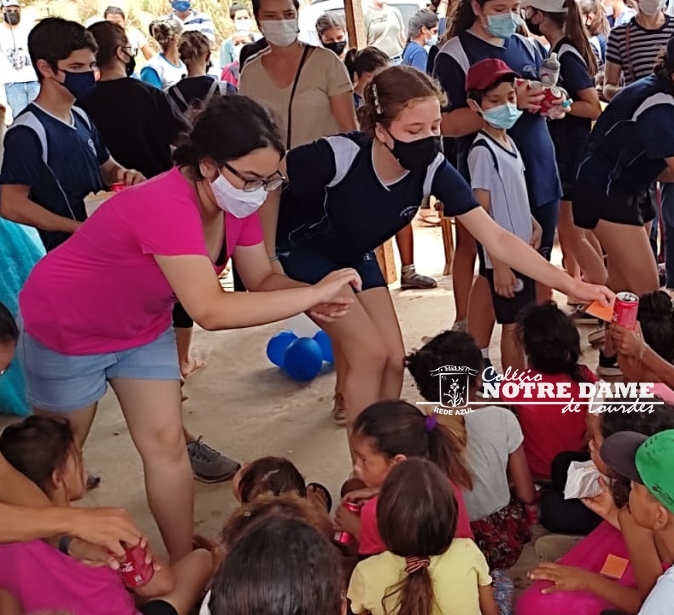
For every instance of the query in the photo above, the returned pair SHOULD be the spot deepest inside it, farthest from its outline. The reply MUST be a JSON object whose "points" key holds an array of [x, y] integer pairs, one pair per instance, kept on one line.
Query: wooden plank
{"points": [[355, 26], [387, 262]]}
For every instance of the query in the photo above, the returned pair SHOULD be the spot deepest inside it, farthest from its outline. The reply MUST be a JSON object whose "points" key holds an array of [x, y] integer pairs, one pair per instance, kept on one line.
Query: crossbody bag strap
{"points": [[303, 60]]}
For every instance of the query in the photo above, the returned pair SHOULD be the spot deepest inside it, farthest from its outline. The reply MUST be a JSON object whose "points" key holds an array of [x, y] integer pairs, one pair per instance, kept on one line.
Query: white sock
{"points": [[485, 353]]}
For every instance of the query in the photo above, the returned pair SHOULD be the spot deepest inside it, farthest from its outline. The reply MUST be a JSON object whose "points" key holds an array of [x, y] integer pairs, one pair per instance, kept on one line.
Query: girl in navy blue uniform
{"points": [[484, 29], [350, 193], [630, 147], [560, 22]]}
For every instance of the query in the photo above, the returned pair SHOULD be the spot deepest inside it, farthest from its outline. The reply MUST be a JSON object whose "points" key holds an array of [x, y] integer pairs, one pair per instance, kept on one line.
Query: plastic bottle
{"points": [[550, 70]]}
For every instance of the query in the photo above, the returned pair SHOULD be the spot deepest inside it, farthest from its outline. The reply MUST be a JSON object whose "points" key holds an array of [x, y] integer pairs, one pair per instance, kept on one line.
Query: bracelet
{"points": [[64, 544], [273, 259]]}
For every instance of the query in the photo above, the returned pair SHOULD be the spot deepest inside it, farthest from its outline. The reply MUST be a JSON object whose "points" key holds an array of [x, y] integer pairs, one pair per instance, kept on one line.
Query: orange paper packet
{"points": [[603, 312], [614, 567]]}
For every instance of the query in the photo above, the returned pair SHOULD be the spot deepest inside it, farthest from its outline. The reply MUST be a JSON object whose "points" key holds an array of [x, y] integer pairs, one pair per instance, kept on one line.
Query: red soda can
{"points": [[133, 570], [344, 538], [552, 93], [117, 187], [625, 310]]}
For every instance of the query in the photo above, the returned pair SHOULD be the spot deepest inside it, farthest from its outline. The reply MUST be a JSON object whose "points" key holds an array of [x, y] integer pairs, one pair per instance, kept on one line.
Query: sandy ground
{"points": [[247, 408]]}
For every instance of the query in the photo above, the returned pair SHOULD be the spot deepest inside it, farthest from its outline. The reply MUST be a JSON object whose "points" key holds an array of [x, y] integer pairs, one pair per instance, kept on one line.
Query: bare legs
{"points": [[463, 270], [581, 249]]}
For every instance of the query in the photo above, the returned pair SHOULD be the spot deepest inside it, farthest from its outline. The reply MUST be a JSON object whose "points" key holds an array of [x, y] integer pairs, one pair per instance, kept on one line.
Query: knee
{"points": [[165, 443], [370, 358], [395, 363]]}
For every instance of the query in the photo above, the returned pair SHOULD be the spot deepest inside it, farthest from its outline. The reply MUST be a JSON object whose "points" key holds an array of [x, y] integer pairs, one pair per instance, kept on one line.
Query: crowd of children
{"points": [[438, 506]]}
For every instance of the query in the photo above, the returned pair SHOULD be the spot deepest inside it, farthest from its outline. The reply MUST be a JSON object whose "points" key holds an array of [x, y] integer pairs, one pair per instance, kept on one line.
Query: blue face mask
{"points": [[181, 6], [503, 116], [503, 26], [80, 85], [432, 41]]}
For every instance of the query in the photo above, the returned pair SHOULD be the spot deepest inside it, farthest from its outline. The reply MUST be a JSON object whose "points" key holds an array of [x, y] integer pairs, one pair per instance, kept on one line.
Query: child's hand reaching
{"points": [[564, 578], [627, 342], [361, 495], [536, 234], [347, 521]]}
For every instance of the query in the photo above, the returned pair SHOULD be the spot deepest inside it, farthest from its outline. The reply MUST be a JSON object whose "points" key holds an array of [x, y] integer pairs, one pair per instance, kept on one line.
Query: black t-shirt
{"points": [[192, 89], [138, 123]]}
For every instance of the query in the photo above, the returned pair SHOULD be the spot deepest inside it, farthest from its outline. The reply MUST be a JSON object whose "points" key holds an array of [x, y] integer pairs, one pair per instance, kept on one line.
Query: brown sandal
{"points": [[339, 411]]}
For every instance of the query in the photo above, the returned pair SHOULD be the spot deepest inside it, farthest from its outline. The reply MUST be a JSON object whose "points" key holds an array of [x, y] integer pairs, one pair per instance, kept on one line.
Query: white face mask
{"points": [[651, 7], [239, 203], [244, 25], [281, 33]]}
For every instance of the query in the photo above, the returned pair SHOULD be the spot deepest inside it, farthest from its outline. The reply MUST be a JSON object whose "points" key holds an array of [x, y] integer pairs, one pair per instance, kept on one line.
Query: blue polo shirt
{"points": [[336, 204], [530, 133], [59, 161], [627, 147], [415, 55]]}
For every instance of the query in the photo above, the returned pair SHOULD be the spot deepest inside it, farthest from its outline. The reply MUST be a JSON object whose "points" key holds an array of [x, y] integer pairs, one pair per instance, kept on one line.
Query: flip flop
{"points": [[324, 490]]}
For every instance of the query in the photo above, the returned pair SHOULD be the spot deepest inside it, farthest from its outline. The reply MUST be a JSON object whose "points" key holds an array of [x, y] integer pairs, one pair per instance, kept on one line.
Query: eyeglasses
{"points": [[251, 185]]}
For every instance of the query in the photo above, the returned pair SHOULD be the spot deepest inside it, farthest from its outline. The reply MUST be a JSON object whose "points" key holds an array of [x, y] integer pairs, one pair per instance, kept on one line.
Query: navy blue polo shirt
{"points": [[530, 133], [59, 161], [570, 133], [336, 204], [626, 150]]}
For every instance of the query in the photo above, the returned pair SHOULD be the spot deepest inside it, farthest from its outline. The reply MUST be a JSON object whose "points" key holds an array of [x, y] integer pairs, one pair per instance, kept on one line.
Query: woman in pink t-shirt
{"points": [[98, 308]]}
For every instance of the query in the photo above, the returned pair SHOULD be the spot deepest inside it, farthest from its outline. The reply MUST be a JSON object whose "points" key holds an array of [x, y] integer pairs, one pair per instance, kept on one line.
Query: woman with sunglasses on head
{"points": [[112, 289]]}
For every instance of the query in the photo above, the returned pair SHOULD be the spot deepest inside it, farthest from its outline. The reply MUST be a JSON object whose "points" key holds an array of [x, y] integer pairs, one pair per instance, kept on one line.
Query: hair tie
{"points": [[412, 564], [375, 99], [430, 424]]}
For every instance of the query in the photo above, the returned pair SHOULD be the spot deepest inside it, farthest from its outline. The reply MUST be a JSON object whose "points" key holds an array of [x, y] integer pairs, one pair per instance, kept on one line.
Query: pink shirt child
{"points": [[370, 540], [45, 580], [102, 290]]}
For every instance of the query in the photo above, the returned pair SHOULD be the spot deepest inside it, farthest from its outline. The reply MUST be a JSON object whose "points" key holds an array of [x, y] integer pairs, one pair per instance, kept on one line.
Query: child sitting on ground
{"points": [[552, 345], [42, 578], [648, 462], [494, 452], [426, 569], [497, 178], [385, 434]]}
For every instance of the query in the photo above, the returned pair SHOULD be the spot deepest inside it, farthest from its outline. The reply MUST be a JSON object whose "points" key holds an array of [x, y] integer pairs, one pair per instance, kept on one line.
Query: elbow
{"points": [[207, 321], [8, 212]]}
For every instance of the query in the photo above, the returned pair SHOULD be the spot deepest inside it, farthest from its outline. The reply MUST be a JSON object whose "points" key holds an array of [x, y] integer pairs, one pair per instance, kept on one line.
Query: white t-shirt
{"points": [[137, 39], [385, 29], [204, 610], [168, 73], [15, 65], [501, 172], [661, 600], [494, 433]]}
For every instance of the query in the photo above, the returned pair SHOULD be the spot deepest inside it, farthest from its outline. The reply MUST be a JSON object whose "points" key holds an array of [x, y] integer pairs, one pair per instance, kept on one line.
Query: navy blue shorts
{"points": [[507, 310], [309, 265], [547, 215]]}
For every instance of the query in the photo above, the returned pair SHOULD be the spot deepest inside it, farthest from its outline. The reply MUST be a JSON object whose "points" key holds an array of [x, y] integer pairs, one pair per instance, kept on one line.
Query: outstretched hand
{"points": [[628, 342], [564, 578], [591, 292]]}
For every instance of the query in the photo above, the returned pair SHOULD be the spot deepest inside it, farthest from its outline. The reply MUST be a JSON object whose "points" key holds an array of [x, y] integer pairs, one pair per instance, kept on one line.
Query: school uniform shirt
{"points": [[493, 434], [530, 133], [196, 22], [624, 18], [336, 204], [161, 73], [626, 149], [637, 58], [598, 44], [138, 123], [323, 76], [661, 599], [15, 66], [456, 575], [191, 89], [59, 161], [415, 55], [500, 172], [570, 133]]}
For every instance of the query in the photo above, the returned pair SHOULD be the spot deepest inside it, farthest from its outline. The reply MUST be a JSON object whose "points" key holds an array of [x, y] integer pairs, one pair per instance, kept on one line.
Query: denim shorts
{"points": [[64, 383]]}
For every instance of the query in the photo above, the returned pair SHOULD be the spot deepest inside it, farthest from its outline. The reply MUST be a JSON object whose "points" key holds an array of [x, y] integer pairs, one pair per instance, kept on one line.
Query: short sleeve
{"points": [[574, 72], [615, 44], [251, 231], [102, 153], [419, 58], [513, 431], [659, 601], [357, 592], [338, 81], [22, 163], [452, 78], [481, 566], [310, 168], [150, 76], [657, 124], [452, 190], [141, 39], [481, 168], [370, 540]]}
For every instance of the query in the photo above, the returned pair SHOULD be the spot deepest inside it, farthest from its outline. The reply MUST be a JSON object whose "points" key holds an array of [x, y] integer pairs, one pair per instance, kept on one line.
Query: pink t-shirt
{"points": [[43, 579], [102, 290], [370, 540]]}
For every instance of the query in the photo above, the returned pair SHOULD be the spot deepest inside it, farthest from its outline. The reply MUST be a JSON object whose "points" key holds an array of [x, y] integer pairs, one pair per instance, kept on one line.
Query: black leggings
{"points": [[182, 320], [562, 516]]}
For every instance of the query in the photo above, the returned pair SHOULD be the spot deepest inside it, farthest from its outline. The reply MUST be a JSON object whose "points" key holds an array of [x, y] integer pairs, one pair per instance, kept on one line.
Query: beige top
{"points": [[385, 29], [323, 76]]}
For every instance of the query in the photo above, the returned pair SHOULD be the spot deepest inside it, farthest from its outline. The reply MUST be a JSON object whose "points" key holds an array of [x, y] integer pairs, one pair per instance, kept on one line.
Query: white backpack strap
{"points": [[29, 120], [345, 151], [179, 95], [430, 174], [531, 46], [566, 48], [652, 101], [83, 116], [454, 47]]}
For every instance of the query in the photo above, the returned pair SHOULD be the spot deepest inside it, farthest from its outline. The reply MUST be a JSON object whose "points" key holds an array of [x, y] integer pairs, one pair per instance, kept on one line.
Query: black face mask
{"points": [[12, 18], [337, 48], [416, 155], [131, 67], [209, 66], [534, 28]]}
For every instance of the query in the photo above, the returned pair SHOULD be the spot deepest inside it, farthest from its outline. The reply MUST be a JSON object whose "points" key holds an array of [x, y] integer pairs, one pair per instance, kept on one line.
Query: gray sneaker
{"points": [[208, 465]]}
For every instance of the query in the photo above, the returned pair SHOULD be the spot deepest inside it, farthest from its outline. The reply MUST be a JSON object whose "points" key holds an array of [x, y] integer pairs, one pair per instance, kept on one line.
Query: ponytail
{"points": [[417, 596], [447, 450], [576, 32]]}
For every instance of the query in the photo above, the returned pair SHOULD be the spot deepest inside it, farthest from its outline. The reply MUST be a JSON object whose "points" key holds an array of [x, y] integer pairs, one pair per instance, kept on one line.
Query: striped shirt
{"points": [[199, 22], [638, 58]]}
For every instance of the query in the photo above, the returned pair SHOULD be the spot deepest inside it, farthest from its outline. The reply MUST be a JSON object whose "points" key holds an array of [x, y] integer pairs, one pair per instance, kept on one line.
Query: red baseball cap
{"points": [[485, 73]]}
